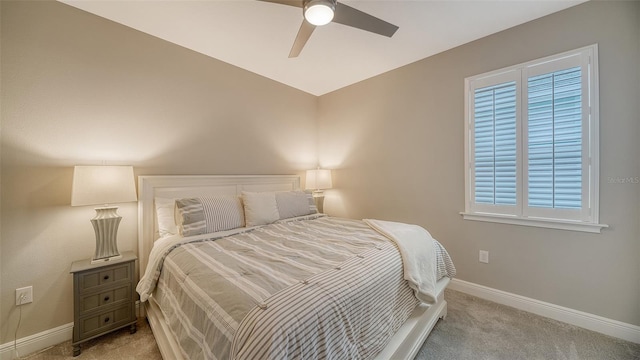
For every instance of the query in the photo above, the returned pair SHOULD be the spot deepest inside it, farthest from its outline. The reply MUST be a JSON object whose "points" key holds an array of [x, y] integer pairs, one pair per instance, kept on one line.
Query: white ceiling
{"points": [[257, 36]]}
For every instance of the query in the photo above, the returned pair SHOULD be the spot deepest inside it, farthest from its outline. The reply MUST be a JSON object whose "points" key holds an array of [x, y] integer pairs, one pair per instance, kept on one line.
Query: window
{"points": [[531, 143]]}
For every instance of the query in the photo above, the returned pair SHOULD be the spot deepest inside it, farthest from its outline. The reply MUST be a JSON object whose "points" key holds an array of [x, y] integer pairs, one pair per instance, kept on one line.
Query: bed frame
{"points": [[405, 344]]}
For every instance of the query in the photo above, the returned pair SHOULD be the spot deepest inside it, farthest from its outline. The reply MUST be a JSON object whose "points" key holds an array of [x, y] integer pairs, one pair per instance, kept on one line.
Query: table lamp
{"points": [[104, 185], [318, 180]]}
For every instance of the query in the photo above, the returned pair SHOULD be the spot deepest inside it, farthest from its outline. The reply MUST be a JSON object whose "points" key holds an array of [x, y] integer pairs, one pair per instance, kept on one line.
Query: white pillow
{"points": [[165, 217], [260, 208]]}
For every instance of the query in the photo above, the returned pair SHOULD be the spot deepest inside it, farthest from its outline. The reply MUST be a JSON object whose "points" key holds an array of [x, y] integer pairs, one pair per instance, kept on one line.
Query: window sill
{"points": [[536, 222]]}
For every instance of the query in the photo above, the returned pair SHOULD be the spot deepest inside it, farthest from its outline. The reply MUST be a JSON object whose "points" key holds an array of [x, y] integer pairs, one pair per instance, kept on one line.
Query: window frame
{"points": [[587, 218]]}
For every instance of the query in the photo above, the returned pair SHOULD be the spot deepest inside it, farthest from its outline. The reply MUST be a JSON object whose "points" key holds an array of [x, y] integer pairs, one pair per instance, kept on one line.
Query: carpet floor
{"points": [[479, 329], [474, 329]]}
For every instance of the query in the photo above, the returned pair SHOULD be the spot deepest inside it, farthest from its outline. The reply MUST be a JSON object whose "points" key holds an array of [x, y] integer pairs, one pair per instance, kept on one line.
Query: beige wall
{"points": [[396, 141], [78, 89]]}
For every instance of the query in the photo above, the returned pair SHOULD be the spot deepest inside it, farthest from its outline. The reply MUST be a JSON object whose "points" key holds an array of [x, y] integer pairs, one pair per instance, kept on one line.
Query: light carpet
{"points": [[479, 329]]}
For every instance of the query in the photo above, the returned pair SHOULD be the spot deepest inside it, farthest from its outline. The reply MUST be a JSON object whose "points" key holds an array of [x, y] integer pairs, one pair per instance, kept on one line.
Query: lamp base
{"points": [[318, 197], [105, 225]]}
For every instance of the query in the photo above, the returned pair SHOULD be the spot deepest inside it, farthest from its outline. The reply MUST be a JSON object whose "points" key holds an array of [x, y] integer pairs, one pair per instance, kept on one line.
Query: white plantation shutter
{"points": [[555, 140], [495, 144], [532, 142]]}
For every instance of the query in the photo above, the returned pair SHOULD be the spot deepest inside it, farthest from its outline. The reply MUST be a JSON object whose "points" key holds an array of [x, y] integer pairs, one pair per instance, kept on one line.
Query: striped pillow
{"points": [[295, 203], [195, 216]]}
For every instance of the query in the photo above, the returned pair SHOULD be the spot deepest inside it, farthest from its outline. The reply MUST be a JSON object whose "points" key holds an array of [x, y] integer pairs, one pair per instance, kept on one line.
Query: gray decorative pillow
{"points": [[195, 216], [295, 203]]}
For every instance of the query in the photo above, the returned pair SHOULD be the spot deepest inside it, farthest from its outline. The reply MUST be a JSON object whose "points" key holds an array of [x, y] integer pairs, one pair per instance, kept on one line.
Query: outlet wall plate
{"points": [[484, 256], [24, 295]]}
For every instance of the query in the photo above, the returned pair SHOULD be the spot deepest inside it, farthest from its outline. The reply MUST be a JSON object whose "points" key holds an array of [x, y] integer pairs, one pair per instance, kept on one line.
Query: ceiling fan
{"points": [[322, 12]]}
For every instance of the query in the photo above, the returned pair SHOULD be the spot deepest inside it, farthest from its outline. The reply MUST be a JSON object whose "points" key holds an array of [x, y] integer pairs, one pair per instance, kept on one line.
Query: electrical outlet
{"points": [[484, 256], [24, 295]]}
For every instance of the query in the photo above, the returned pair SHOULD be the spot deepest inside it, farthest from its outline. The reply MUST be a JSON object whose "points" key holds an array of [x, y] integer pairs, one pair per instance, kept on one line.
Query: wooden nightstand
{"points": [[103, 298]]}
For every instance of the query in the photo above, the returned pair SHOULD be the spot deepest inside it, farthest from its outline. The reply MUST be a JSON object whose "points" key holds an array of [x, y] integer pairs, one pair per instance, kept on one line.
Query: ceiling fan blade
{"points": [[346, 15], [296, 3], [304, 34]]}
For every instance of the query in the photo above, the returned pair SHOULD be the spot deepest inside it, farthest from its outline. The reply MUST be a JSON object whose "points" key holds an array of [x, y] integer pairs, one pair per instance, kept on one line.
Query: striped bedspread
{"points": [[305, 289]]}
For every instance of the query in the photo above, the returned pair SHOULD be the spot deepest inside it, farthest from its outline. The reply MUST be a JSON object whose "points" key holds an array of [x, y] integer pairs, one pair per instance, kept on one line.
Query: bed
{"points": [[293, 242]]}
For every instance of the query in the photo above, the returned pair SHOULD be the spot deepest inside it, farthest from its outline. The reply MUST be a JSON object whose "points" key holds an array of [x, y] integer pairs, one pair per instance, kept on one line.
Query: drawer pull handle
{"points": [[106, 277], [106, 298], [106, 320]]}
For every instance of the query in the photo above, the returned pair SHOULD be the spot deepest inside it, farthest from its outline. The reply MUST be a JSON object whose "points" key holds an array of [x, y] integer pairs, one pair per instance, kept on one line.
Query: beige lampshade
{"points": [[93, 185], [318, 179]]}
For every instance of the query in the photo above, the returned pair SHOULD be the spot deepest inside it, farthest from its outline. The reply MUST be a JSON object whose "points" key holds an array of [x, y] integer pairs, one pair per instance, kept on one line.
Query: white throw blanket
{"points": [[418, 255]]}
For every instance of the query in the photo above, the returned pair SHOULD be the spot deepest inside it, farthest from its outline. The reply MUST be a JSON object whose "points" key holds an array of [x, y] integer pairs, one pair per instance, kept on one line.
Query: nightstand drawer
{"points": [[105, 298], [91, 280], [97, 324]]}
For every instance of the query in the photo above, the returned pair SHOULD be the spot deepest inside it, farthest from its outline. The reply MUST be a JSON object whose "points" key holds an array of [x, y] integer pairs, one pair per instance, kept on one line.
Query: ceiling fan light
{"points": [[319, 12]]}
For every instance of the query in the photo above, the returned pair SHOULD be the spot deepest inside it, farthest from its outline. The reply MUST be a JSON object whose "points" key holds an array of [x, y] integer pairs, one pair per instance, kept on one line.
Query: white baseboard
{"points": [[37, 342], [585, 320]]}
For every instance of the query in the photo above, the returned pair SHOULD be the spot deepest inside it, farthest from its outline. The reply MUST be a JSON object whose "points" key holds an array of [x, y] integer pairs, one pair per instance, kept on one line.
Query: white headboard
{"points": [[181, 186]]}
